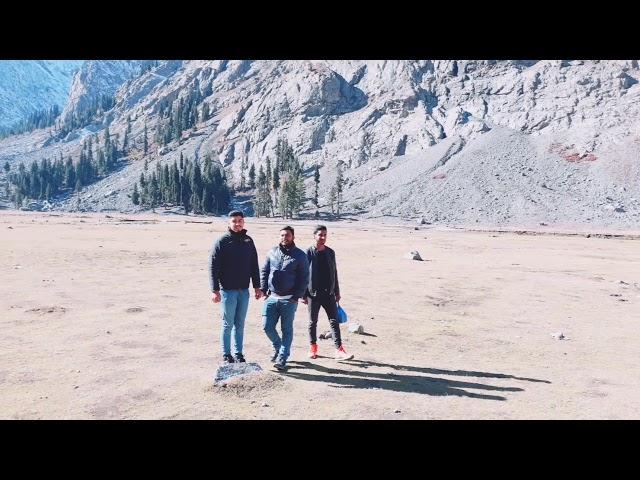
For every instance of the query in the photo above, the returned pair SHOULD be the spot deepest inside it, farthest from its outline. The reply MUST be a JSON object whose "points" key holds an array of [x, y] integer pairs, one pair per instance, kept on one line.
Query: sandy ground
{"points": [[112, 319]]}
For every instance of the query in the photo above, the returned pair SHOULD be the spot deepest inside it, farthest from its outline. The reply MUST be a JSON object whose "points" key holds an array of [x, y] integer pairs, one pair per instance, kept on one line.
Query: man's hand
{"points": [[258, 293], [216, 297], [338, 297], [305, 300]]}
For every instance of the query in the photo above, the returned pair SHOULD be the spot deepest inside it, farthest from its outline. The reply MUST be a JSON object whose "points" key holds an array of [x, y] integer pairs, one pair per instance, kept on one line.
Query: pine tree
{"points": [[135, 196], [7, 167], [185, 194], [339, 187], [332, 199], [145, 141], [276, 185], [316, 180], [252, 176]]}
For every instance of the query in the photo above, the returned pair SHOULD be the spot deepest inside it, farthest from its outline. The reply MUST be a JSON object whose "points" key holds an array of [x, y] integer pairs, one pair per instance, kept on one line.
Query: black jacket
{"points": [[285, 272], [334, 286], [233, 261]]}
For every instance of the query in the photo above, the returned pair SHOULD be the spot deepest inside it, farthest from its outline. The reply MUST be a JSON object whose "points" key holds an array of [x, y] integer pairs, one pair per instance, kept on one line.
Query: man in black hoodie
{"points": [[233, 261], [323, 291]]}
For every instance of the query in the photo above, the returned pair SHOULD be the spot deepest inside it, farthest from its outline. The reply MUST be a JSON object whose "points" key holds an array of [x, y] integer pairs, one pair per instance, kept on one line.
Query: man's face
{"points": [[286, 238], [320, 237], [236, 223]]}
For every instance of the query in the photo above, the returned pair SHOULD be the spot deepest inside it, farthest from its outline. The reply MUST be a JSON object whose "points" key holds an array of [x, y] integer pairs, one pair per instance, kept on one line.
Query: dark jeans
{"points": [[328, 302]]}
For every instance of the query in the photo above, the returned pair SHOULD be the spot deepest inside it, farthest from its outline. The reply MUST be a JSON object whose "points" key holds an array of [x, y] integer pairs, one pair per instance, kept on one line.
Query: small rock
{"points": [[413, 255], [615, 295], [558, 335], [326, 335], [356, 328], [543, 224], [623, 300], [363, 342], [108, 331], [76, 386], [416, 228], [265, 405], [397, 411], [10, 227]]}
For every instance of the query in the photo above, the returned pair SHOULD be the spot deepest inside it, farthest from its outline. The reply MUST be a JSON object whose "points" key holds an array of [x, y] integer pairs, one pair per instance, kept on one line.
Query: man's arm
{"points": [[264, 274], [302, 278], [255, 269], [307, 294], [214, 267], [255, 272], [337, 286]]}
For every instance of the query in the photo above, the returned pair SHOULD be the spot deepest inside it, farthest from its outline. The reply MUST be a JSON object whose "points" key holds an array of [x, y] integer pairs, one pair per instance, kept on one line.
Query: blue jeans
{"points": [[233, 306], [284, 310]]}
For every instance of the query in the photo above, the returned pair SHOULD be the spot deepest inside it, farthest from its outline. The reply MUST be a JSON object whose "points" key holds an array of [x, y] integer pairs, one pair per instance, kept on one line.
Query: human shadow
{"points": [[438, 371], [389, 381]]}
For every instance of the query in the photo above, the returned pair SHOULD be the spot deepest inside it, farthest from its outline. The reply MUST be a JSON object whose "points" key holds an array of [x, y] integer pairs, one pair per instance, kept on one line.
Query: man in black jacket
{"points": [[323, 291], [233, 261]]}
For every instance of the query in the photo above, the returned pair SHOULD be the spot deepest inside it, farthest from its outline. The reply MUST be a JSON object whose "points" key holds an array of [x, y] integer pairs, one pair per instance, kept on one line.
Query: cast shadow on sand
{"points": [[402, 382]]}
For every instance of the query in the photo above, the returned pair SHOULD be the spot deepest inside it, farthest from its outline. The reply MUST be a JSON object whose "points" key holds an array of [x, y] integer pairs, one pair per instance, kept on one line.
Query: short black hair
{"points": [[318, 228], [236, 213], [288, 228]]}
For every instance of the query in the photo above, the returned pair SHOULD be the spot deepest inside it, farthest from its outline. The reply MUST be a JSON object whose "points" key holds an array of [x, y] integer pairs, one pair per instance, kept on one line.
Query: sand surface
{"points": [[106, 318]]}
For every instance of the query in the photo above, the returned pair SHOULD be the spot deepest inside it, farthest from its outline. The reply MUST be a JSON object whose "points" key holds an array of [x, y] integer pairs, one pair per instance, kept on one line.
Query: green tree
{"points": [[339, 186], [252, 176], [316, 181], [135, 196]]}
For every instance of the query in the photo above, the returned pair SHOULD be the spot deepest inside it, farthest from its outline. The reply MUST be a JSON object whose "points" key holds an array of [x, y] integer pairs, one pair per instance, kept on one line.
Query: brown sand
{"points": [[107, 318]]}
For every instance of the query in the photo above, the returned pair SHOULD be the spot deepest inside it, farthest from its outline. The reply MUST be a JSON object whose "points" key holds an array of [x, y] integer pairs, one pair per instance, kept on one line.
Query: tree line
{"points": [[38, 119], [198, 189], [45, 179]]}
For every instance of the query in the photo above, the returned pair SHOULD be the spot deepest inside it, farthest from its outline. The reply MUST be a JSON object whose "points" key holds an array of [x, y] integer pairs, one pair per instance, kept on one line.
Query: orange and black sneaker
{"points": [[314, 351], [342, 355]]}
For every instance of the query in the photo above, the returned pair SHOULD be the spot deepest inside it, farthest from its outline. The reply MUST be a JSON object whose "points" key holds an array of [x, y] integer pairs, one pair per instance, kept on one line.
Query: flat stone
{"points": [[230, 370]]}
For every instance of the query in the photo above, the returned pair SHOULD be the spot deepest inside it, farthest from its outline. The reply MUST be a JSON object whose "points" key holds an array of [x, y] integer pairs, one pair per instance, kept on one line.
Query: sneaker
{"points": [[228, 358], [314, 351], [342, 355], [240, 358], [274, 357], [280, 365]]}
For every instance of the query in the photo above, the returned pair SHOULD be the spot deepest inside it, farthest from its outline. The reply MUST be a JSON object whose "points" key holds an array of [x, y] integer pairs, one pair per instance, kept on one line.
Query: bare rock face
{"points": [[98, 78], [475, 143], [27, 86]]}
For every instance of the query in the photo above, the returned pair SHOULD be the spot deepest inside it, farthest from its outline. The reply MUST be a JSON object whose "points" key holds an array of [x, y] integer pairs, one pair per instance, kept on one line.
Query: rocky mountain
{"points": [[453, 142], [27, 86]]}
